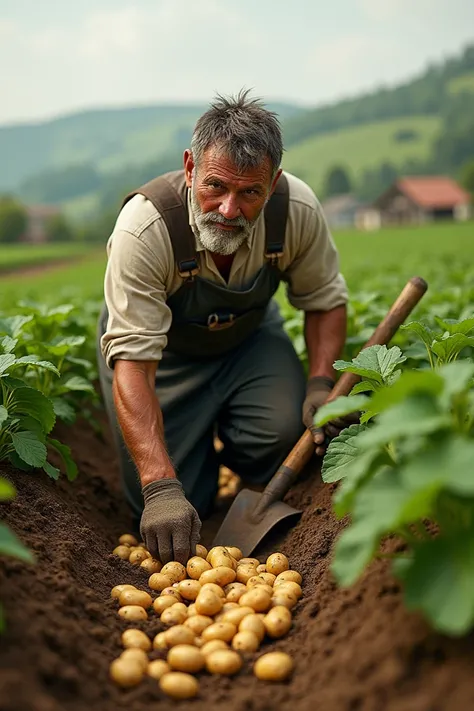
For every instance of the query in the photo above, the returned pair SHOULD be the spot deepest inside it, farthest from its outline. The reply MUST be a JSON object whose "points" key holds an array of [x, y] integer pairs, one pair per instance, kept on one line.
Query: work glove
{"points": [[170, 527], [317, 392]]}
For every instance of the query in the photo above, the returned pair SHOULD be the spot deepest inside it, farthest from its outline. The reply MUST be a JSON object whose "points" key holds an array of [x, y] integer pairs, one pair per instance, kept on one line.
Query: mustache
{"points": [[213, 218]]}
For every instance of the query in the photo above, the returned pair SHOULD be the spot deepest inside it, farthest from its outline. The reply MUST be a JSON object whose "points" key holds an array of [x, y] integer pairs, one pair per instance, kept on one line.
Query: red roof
{"points": [[433, 192]]}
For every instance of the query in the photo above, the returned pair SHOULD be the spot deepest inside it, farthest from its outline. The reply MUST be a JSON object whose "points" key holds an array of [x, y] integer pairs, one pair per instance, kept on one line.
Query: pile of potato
{"points": [[216, 609]]}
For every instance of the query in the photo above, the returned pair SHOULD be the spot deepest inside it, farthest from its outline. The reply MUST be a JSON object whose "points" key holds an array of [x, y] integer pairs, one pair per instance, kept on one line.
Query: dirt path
{"points": [[51, 266], [355, 650]]}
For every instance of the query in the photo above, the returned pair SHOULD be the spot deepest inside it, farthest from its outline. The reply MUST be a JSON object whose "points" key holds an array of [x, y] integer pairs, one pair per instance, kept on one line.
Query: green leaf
{"points": [[408, 384], [363, 387], [367, 465], [422, 331], [417, 415], [6, 361], [341, 455], [447, 464], [18, 463], [32, 402], [13, 325], [34, 361], [63, 410], [29, 448], [65, 452], [8, 344], [7, 490], [3, 414], [457, 377], [51, 471], [77, 382], [375, 362], [440, 583], [453, 326], [448, 348], [12, 546], [61, 346], [12, 383], [61, 310], [339, 407]]}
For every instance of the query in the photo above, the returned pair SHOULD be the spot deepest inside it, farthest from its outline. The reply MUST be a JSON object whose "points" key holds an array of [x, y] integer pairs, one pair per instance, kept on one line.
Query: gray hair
{"points": [[243, 129]]}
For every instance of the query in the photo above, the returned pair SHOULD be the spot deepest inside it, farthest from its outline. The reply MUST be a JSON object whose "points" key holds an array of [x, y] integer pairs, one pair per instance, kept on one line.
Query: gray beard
{"points": [[213, 238]]}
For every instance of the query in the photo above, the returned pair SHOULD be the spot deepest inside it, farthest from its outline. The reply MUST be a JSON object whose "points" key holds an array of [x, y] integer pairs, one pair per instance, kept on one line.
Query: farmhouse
{"points": [[414, 200], [38, 218]]}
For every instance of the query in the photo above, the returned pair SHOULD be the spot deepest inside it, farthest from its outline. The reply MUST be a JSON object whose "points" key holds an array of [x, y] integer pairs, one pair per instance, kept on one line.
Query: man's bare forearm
{"points": [[141, 420], [325, 335]]}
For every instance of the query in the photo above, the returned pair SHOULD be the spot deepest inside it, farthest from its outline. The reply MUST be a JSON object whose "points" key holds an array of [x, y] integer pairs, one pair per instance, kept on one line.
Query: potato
{"points": [[230, 606], [174, 571], [212, 645], [213, 551], [256, 598], [126, 672], [179, 685], [186, 658], [268, 578], [253, 623], [161, 603], [245, 572], [262, 568], [171, 616], [192, 610], [276, 563], [159, 641], [118, 590], [291, 575], [128, 540], [216, 589], [133, 613], [136, 638], [136, 655], [157, 668], [254, 562], [179, 634], [234, 591], [219, 630], [283, 597], [291, 586], [159, 582], [237, 615], [208, 603], [246, 641], [255, 580], [201, 551], [180, 606], [219, 576], [137, 556], [123, 552], [173, 592], [151, 565], [196, 567], [222, 559], [198, 623], [135, 597], [236, 553], [277, 621], [223, 661], [273, 666]]}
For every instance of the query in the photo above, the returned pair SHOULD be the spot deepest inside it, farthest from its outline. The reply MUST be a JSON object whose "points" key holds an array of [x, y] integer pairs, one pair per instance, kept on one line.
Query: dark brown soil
{"points": [[355, 650]]}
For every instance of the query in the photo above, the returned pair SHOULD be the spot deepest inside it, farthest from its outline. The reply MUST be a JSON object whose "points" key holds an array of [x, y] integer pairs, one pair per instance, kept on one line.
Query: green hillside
{"points": [[361, 148]]}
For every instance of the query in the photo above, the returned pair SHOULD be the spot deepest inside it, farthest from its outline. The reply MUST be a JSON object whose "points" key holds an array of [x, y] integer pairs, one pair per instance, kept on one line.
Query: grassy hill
{"points": [[361, 147]]}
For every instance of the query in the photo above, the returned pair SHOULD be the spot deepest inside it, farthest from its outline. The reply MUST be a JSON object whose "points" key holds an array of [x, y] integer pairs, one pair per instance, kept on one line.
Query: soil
{"points": [[354, 650]]}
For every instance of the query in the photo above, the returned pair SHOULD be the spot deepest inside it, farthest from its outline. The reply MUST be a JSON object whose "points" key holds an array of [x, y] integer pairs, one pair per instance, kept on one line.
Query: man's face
{"points": [[227, 202]]}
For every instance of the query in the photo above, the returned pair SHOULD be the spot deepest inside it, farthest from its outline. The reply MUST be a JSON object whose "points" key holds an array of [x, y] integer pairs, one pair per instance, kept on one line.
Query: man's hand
{"points": [[317, 391], [170, 527]]}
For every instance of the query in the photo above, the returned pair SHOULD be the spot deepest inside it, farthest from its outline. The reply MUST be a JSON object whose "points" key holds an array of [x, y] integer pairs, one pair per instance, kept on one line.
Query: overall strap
{"points": [[276, 214], [169, 200]]}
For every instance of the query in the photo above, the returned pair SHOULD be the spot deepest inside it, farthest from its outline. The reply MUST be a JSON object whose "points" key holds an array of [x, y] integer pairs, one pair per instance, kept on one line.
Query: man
{"points": [[191, 342]]}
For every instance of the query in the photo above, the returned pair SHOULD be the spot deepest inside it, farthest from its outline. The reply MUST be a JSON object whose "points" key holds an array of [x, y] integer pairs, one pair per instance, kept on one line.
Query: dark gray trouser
{"points": [[253, 397]]}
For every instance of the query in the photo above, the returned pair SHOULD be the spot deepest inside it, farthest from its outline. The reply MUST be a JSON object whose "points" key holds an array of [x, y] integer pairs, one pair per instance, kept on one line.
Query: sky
{"points": [[57, 57]]}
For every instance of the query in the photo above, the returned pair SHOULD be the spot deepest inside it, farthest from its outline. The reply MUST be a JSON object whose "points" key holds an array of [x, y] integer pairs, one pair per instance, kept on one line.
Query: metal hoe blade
{"points": [[244, 531]]}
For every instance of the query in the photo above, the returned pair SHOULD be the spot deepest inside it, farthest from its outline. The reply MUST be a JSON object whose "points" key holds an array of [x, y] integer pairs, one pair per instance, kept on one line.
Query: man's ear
{"points": [[188, 167], [274, 182]]}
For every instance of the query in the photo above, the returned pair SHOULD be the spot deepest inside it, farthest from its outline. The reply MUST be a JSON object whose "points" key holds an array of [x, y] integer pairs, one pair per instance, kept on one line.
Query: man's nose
{"points": [[229, 207]]}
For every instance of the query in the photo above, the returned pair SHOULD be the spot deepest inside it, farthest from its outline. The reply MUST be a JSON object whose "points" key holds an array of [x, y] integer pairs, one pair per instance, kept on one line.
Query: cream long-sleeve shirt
{"points": [[141, 272]]}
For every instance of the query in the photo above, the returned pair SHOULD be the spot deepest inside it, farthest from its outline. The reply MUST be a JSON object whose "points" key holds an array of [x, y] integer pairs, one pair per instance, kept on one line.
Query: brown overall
{"points": [[228, 365]]}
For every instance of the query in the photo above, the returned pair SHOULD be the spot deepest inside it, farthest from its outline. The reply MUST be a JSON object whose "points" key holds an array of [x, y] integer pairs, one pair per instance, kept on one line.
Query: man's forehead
{"points": [[216, 161]]}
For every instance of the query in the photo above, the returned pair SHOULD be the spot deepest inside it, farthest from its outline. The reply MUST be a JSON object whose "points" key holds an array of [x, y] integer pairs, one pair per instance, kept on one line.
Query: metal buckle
{"points": [[273, 252], [188, 270], [215, 324]]}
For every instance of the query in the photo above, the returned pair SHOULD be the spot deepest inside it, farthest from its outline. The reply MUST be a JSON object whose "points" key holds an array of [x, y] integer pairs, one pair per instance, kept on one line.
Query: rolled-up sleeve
{"points": [[135, 296], [315, 281]]}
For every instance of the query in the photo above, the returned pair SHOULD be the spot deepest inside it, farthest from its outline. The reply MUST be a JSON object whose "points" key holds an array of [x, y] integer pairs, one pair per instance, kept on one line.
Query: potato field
{"points": [[366, 604]]}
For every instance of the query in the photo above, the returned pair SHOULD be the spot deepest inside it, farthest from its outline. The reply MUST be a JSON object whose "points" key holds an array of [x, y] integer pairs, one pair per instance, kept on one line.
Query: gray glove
{"points": [[170, 527], [317, 391]]}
